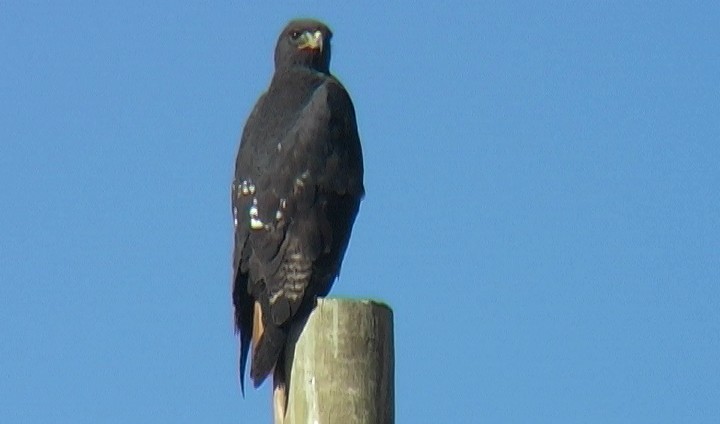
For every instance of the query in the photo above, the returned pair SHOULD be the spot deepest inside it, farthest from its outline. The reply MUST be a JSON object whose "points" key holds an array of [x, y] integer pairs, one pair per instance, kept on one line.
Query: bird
{"points": [[296, 192]]}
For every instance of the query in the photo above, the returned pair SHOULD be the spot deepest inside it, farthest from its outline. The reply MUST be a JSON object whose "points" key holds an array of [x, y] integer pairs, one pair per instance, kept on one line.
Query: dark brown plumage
{"points": [[297, 189]]}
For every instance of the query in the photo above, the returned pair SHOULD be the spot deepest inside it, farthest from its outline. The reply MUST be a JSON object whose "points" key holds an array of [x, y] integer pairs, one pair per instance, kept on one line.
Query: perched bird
{"points": [[297, 189]]}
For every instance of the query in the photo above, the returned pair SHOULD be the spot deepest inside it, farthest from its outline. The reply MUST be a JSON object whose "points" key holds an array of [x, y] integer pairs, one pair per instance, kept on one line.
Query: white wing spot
{"points": [[300, 181], [279, 212], [247, 188], [255, 222]]}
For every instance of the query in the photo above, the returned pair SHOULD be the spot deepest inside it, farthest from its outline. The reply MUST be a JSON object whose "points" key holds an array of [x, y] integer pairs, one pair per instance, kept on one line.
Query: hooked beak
{"points": [[311, 40]]}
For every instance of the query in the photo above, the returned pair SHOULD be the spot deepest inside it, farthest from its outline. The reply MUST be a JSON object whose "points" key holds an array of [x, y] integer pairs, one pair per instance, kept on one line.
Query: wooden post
{"points": [[342, 365]]}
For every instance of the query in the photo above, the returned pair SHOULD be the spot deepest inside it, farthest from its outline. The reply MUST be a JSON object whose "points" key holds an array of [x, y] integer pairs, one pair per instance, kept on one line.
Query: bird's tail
{"points": [[267, 352]]}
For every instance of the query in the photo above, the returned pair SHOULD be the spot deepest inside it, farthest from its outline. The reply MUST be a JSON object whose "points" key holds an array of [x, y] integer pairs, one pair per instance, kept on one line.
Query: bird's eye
{"points": [[295, 35]]}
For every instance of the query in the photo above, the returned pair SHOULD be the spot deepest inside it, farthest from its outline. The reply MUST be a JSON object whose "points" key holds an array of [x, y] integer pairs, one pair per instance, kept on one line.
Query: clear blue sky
{"points": [[542, 209]]}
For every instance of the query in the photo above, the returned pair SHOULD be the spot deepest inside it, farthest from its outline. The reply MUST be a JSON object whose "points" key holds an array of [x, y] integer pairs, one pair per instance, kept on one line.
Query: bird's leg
{"points": [[279, 392]]}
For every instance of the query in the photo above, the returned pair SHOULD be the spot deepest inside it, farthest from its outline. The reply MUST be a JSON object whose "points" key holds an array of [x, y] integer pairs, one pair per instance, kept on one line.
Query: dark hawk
{"points": [[297, 189]]}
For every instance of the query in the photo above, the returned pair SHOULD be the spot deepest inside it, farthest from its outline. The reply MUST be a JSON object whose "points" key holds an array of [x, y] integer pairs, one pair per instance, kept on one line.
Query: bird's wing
{"points": [[316, 162], [241, 253], [295, 212]]}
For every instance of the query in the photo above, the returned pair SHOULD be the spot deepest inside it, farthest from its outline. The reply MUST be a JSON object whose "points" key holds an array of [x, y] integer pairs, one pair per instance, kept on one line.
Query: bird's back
{"points": [[273, 116]]}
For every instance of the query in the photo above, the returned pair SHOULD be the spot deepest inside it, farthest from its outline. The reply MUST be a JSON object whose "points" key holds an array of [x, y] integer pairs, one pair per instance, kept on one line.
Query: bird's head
{"points": [[304, 42]]}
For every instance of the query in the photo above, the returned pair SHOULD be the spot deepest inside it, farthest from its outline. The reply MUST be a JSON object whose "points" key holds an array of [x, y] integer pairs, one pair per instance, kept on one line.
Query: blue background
{"points": [[542, 209]]}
